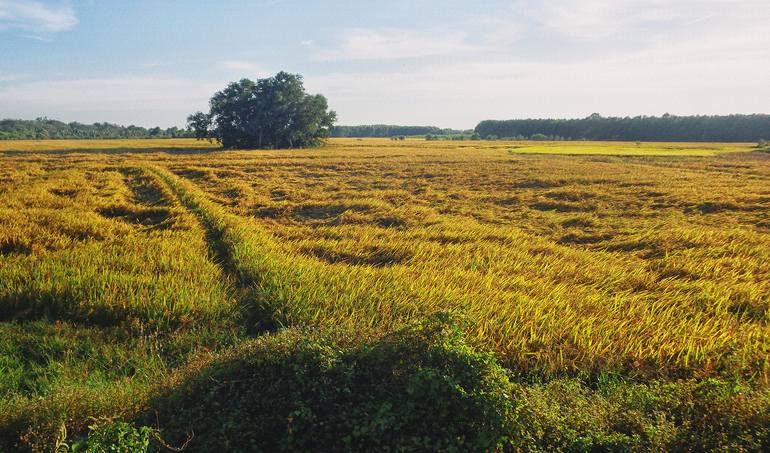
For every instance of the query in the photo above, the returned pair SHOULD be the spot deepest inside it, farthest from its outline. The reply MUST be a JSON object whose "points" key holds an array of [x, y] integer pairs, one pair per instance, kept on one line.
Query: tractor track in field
{"points": [[258, 317], [146, 189]]}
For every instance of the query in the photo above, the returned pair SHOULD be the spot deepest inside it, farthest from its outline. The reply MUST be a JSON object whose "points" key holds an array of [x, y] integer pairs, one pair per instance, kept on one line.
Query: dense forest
{"points": [[731, 128], [44, 128], [384, 130]]}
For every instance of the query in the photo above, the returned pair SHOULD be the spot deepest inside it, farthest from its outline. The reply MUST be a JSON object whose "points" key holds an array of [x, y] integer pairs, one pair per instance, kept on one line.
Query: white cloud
{"points": [[392, 44], [565, 58], [244, 68], [146, 101], [715, 75], [600, 19], [157, 64], [9, 77], [36, 17]]}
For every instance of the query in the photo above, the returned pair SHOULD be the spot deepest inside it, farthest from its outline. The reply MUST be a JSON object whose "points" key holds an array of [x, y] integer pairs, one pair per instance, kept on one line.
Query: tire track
{"points": [[259, 315]]}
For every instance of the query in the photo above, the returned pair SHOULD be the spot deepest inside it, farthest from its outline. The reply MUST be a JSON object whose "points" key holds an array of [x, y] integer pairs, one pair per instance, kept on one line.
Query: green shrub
{"points": [[422, 388]]}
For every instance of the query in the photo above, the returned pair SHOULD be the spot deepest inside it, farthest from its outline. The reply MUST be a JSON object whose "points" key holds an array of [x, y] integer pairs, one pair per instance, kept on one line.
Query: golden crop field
{"points": [[123, 261]]}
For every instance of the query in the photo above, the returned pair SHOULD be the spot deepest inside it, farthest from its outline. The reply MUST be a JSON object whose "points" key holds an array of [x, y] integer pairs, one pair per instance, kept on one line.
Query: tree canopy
{"points": [[275, 112]]}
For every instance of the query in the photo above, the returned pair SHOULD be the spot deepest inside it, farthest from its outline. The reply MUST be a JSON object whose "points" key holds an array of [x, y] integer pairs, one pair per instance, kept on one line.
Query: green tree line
{"points": [[701, 128], [386, 130], [730, 128], [44, 128]]}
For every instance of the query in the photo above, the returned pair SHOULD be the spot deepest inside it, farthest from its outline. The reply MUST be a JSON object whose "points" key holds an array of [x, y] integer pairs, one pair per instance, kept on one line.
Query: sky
{"points": [[447, 63]]}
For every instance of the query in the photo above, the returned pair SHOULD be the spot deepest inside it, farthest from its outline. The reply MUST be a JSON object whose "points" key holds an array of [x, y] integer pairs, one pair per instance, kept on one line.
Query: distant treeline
{"points": [[730, 128], [44, 128], [385, 130]]}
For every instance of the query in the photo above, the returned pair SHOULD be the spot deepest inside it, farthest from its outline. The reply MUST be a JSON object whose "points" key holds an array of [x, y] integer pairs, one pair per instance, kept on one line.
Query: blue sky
{"points": [[447, 63]]}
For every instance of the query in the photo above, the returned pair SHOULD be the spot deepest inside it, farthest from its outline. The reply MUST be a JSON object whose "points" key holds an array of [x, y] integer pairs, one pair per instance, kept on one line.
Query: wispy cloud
{"points": [[9, 77], [723, 72], [36, 17], [154, 100], [150, 64], [601, 19], [392, 44], [244, 67]]}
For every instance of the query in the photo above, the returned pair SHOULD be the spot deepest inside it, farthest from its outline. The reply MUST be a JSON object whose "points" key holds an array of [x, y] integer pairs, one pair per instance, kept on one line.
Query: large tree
{"points": [[275, 112]]}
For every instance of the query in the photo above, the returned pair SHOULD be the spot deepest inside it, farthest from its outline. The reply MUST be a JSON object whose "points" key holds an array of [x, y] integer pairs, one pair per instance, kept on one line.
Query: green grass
{"points": [[615, 295]]}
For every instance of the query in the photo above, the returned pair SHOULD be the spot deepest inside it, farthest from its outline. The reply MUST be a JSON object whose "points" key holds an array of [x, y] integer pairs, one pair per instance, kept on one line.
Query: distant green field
{"points": [[567, 147], [556, 296], [631, 149]]}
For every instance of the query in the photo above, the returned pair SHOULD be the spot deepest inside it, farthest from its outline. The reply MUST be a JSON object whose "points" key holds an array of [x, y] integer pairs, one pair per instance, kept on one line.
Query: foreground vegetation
{"points": [[400, 295]]}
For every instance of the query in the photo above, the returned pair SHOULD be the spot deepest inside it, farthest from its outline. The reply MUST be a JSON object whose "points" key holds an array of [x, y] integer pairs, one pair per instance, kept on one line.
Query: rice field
{"points": [[123, 262], [561, 265]]}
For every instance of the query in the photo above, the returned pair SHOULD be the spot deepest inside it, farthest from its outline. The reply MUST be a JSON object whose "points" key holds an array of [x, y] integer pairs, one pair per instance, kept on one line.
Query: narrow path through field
{"points": [[257, 317]]}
